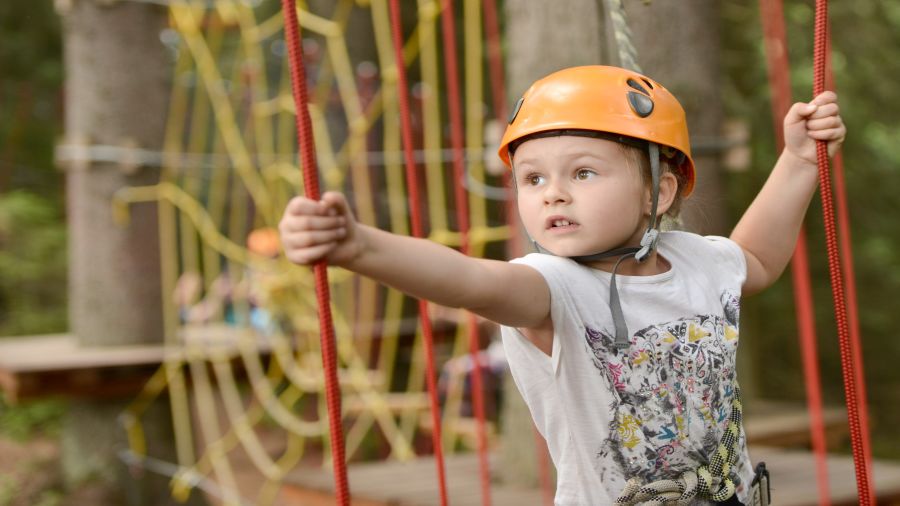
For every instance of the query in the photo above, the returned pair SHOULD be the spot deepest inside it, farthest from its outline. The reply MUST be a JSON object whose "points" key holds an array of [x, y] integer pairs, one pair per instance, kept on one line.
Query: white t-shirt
{"points": [[656, 409]]}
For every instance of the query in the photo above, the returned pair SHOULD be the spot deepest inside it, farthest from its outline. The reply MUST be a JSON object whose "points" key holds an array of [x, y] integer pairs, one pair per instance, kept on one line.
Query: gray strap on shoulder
{"points": [[615, 307]]}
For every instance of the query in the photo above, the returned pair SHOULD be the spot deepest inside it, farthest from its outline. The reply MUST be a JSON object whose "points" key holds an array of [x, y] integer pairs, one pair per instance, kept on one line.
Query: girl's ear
{"points": [[668, 189]]}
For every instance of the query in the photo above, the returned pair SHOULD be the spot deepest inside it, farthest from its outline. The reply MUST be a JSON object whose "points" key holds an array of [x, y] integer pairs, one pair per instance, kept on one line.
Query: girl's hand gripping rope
{"points": [[319, 230], [819, 120]]}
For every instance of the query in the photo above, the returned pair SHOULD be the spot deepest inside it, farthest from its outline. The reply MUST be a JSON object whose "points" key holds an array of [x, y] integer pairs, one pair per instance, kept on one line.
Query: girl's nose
{"points": [[556, 193]]}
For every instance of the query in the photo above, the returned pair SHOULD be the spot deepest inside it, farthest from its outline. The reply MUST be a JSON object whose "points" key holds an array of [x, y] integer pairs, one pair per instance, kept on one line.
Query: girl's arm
{"points": [[509, 294], [768, 230]]}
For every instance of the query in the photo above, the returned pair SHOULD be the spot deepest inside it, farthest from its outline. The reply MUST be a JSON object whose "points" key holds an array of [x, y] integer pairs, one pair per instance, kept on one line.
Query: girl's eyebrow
{"points": [[575, 155], [587, 154]]}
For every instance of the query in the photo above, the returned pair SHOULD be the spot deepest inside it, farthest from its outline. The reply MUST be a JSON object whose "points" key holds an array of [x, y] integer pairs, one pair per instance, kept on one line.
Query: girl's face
{"points": [[579, 195]]}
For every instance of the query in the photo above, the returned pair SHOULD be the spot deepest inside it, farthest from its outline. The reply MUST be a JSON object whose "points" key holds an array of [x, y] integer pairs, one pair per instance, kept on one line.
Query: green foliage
{"points": [[32, 266], [32, 227], [22, 421], [8, 488], [50, 498], [865, 41], [30, 96]]}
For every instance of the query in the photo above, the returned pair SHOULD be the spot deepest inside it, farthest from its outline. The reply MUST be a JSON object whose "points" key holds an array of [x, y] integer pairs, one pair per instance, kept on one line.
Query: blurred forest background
{"points": [[865, 38]]}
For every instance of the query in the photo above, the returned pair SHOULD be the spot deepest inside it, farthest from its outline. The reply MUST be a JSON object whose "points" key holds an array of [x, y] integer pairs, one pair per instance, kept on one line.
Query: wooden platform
{"points": [[794, 478], [405, 484], [46, 365], [786, 424], [415, 483]]}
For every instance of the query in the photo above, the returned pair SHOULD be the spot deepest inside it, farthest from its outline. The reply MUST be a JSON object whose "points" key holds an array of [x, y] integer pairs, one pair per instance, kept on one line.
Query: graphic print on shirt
{"points": [[672, 390]]}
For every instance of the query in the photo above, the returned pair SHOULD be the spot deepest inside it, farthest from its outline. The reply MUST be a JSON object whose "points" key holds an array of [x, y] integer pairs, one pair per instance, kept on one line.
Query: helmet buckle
{"points": [[648, 245]]}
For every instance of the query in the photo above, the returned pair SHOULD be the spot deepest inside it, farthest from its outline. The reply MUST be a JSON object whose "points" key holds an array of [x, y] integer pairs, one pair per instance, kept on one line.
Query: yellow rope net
{"points": [[241, 330]]}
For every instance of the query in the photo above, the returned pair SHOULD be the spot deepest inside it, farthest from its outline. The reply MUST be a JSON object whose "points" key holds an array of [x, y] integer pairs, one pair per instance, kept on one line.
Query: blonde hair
{"points": [[640, 159]]}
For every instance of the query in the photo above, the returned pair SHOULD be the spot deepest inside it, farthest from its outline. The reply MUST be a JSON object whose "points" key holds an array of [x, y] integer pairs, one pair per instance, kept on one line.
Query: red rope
{"points": [[834, 267], [843, 226], [495, 59], [412, 181], [462, 217], [498, 90], [812, 380], [323, 297], [772, 17]]}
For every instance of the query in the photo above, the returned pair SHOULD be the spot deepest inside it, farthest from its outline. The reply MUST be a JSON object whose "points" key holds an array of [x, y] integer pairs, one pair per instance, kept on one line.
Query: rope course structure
{"points": [[230, 166], [234, 308]]}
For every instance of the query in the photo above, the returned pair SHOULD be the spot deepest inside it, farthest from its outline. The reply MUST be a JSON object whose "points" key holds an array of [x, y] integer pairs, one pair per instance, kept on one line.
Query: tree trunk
{"points": [[116, 88], [117, 82]]}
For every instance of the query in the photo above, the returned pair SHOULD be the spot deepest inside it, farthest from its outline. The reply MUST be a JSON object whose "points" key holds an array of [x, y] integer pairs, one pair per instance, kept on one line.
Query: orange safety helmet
{"points": [[603, 99]]}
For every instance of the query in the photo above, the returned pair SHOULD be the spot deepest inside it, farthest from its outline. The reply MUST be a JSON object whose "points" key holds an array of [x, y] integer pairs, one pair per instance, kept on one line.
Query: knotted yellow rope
{"points": [[709, 481]]}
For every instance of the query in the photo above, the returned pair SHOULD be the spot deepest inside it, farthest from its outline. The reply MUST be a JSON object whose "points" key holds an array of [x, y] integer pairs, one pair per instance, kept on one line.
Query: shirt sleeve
{"points": [[554, 271], [730, 258]]}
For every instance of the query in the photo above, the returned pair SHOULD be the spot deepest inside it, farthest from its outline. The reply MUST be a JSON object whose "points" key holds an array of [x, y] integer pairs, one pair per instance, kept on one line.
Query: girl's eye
{"points": [[584, 174], [534, 179]]}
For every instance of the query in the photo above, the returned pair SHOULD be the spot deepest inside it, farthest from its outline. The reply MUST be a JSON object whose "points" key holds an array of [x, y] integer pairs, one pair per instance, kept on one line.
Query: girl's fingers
{"points": [[313, 238], [799, 112], [823, 123], [310, 255], [824, 111], [313, 222], [825, 97], [336, 203], [299, 206], [822, 106], [829, 134]]}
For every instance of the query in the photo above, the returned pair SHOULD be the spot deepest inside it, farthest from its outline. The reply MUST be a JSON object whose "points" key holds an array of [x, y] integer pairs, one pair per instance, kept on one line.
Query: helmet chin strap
{"points": [[641, 253]]}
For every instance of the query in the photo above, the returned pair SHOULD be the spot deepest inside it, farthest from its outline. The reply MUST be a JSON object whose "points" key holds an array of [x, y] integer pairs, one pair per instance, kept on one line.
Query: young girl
{"points": [[620, 338]]}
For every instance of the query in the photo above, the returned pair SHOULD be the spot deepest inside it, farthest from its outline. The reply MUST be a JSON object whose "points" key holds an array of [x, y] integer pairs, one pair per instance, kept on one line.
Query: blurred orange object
{"points": [[264, 241]]}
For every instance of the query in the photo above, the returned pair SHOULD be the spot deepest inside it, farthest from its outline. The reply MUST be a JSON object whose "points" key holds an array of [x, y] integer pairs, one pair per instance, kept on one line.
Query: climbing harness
{"points": [[760, 490], [709, 481]]}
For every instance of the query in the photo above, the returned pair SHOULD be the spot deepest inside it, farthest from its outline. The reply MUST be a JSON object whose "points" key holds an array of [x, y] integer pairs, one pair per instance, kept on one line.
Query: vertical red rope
{"points": [[495, 58], [462, 217], [834, 267], [772, 18], [451, 70], [412, 182], [323, 297], [812, 380], [498, 91], [844, 242]]}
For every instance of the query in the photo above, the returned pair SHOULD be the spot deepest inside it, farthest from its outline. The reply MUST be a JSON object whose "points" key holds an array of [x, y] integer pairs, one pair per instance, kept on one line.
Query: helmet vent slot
{"points": [[647, 81], [515, 111], [642, 105], [636, 85]]}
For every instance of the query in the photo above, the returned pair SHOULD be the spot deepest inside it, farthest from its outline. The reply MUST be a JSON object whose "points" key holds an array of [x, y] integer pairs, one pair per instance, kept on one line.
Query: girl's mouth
{"points": [[560, 224]]}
